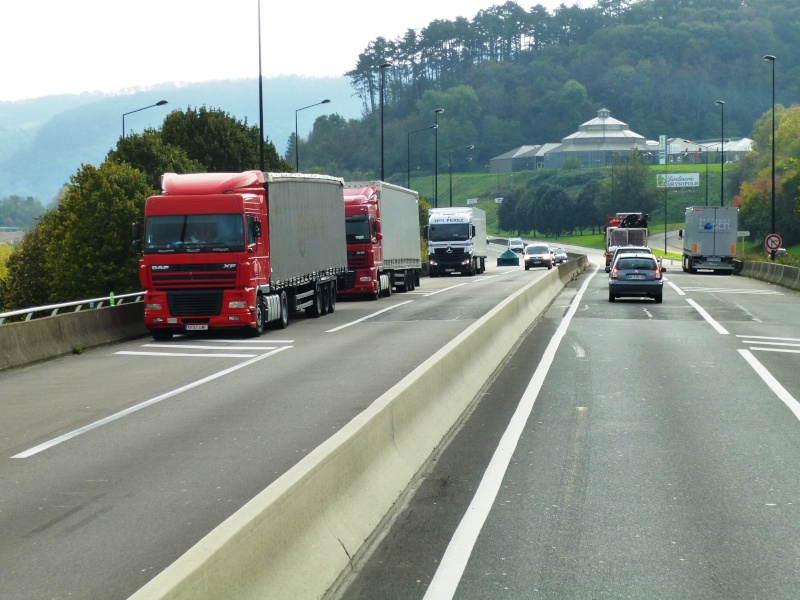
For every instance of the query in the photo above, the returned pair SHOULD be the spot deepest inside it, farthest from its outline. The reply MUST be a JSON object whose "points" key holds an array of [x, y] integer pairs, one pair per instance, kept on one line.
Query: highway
{"points": [[114, 462], [625, 450]]}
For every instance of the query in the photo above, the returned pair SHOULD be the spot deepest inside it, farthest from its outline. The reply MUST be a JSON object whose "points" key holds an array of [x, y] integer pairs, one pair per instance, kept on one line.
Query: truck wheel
{"points": [[261, 317], [161, 335], [387, 291], [315, 310], [411, 281], [282, 322]]}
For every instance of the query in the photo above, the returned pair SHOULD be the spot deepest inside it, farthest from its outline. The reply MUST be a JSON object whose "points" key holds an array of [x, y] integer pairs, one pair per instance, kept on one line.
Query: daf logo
{"points": [[159, 267]]}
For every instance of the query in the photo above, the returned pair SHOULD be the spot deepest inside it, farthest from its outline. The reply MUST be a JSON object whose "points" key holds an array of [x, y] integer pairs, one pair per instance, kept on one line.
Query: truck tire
{"points": [[331, 296], [261, 317], [315, 310], [387, 291], [161, 335], [411, 281], [282, 322], [326, 298]]}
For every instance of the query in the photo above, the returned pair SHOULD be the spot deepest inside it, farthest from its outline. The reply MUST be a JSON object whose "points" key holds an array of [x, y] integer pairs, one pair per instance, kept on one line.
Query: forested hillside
{"points": [[511, 76]]}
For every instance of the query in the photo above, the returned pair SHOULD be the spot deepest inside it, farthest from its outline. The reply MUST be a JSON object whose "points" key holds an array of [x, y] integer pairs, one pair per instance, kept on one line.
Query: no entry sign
{"points": [[773, 242]]}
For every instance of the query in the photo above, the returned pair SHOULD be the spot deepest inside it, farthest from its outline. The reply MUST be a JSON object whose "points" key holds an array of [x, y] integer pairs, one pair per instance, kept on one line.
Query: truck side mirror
{"points": [[136, 235], [473, 230], [425, 232]]}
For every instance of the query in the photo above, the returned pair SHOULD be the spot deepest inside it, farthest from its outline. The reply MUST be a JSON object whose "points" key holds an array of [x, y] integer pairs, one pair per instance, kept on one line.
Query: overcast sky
{"points": [[73, 46]]}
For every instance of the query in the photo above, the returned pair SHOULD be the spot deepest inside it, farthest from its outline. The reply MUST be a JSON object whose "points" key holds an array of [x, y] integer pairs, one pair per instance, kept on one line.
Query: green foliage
{"points": [[26, 281], [19, 212], [148, 153]]}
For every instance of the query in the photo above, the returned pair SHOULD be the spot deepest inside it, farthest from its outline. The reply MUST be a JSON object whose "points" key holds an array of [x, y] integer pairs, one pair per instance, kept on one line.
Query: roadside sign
{"points": [[773, 242], [743, 233]]}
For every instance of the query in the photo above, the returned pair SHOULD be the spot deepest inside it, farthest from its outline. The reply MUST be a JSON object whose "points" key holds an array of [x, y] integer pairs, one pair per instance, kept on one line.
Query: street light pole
{"points": [[771, 59], [159, 103], [722, 154], [383, 67], [296, 139], [408, 155], [450, 166], [436, 159]]}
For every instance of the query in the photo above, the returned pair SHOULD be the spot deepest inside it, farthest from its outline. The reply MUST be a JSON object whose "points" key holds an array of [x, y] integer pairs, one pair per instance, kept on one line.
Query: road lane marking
{"points": [[676, 288], [185, 354], [447, 289], [707, 317], [105, 421], [773, 383], [454, 562], [375, 314]]}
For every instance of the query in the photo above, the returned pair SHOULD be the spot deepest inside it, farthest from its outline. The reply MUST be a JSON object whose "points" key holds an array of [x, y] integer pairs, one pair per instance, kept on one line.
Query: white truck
{"points": [[383, 249], [709, 238], [456, 241]]}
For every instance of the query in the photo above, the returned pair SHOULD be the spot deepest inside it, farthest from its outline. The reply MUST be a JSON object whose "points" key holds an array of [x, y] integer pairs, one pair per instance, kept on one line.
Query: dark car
{"points": [[559, 255], [635, 276], [538, 255]]}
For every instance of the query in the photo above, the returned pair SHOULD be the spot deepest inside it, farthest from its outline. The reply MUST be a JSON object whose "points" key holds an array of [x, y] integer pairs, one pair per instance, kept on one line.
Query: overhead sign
{"points": [[773, 242], [677, 180]]}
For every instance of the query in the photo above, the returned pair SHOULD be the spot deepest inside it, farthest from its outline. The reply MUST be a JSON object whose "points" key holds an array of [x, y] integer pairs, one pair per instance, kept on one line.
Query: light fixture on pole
{"points": [[721, 104], [383, 67], [436, 160], [450, 166], [159, 103], [771, 59], [296, 139], [408, 155]]}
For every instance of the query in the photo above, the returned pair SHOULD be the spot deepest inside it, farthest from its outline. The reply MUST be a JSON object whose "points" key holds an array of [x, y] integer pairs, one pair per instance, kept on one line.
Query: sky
{"points": [[73, 46]]}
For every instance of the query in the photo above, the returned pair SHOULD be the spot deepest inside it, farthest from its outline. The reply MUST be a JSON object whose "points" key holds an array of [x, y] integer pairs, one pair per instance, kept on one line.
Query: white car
{"points": [[516, 244]]}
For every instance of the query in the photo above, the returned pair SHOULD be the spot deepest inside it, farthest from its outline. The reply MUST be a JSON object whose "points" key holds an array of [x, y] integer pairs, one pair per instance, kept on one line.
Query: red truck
{"points": [[383, 239], [240, 250]]}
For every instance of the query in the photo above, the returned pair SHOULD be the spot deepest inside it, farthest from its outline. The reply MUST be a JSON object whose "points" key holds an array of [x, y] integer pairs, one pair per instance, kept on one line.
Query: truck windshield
{"points": [[444, 232], [357, 229], [182, 233]]}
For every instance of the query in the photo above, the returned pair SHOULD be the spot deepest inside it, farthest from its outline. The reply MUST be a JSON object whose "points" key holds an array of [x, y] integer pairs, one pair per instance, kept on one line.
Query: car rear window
{"points": [[627, 263]]}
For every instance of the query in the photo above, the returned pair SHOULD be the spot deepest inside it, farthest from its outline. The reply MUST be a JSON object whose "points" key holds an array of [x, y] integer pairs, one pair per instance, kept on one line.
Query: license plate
{"points": [[635, 276], [713, 259], [197, 328]]}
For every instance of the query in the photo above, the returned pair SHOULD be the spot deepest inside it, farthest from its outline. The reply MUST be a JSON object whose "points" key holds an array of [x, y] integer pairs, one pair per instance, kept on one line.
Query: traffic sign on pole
{"points": [[773, 242]]}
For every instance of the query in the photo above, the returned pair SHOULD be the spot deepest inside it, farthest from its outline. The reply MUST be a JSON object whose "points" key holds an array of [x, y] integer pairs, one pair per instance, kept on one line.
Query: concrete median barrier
{"points": [[301, 534], [49, 337]]}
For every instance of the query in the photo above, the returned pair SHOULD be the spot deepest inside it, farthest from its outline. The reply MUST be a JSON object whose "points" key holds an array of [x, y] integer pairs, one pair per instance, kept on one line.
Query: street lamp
{"points": [[159, 103], [771, 59], [408, 156], [383, 67], [721, 104], [436, 159], [450, 166], [296, 140]]}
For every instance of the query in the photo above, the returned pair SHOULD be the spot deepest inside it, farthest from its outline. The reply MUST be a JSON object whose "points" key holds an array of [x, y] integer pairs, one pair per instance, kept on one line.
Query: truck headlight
{"points": [[237, 304], [152, 306]]}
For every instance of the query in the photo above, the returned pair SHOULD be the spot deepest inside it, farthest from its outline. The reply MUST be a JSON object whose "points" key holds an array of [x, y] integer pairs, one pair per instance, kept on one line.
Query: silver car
{"points": [[516, 244], [636, 276]]}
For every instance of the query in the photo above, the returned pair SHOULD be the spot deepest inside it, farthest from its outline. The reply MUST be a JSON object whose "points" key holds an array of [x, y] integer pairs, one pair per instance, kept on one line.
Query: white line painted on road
{"points": [[768, 337], [375, 314], [199, 347], [707, 317], [454, 562], [185, 354], [145, 404], [447, 289], [773, 383], [676, 288]]}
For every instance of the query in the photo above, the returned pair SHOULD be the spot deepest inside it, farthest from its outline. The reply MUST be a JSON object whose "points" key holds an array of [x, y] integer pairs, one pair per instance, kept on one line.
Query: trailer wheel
{"points": [[411, 281], [315, 310], [326, 298], [282, 322], [331, 296]]}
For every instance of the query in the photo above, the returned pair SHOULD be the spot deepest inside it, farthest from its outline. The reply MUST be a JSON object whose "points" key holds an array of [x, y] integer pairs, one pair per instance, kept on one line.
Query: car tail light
{"points": [[658, 273], [614, 273]]}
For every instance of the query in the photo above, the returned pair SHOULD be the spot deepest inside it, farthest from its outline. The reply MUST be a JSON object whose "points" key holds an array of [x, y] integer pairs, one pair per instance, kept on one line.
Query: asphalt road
{"points": [[114, 462], [625, 450]]}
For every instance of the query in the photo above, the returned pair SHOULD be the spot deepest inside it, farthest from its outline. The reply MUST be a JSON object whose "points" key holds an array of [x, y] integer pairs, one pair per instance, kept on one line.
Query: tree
{"points": [[16, 211], [87, 250], [148, 153], [26, 282]]}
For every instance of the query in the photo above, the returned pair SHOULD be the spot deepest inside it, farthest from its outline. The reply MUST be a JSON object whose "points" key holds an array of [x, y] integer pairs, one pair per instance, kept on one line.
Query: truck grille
{"points": [[194, 276], [356, 260], [189, 303]]}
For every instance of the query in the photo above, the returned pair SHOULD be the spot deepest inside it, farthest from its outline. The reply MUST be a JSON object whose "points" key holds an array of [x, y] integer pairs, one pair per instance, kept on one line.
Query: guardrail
{"points": [[53, 309]]}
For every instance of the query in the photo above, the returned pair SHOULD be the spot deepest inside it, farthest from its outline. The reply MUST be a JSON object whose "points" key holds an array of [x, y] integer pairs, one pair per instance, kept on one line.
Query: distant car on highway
{"points": [[635, 276], [559, 255], [538, 255], [627, 250], [516, 244]]}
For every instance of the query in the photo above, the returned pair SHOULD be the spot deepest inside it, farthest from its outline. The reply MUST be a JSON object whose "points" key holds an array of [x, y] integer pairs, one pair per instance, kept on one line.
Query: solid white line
{"points": [[707, 317], [768, 337], [775, 350], [375, 314], [454, 562], [198, 347], [773, 383], [264, 341], [138, 407], [676, 288], [183, 354], [447, 289], [766, 343]]}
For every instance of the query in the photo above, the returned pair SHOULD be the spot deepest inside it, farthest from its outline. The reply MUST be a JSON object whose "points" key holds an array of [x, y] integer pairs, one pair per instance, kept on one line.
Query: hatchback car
{"points": [[559, 255], [636, 276], [538, 255], [516, 244], [626, 250]]}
